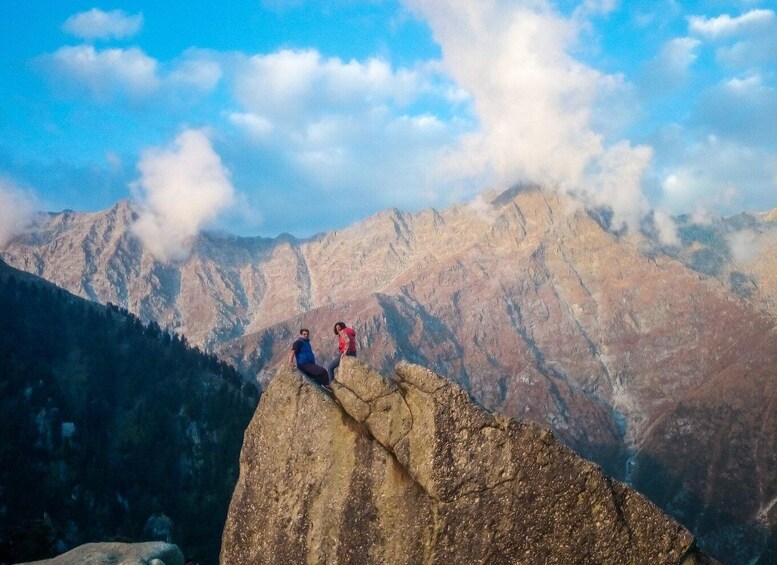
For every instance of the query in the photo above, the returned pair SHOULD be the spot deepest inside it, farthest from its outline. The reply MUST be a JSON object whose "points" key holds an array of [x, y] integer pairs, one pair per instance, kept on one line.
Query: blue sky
{"points": [[262, 117]]}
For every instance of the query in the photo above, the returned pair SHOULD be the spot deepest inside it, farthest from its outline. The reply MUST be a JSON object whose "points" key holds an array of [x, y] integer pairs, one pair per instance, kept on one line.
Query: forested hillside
{"points": [[107, 422]]}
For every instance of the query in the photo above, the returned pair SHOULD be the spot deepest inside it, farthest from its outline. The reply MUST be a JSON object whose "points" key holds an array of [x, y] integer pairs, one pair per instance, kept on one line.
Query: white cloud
{"points": [[481, 206], [746, 245], [747, 54], [616, 182], [719, 174], [657, 14], [17, 209], [297, 85], [257, 126], [180, 190], [103, 73], [669, 69], [667, 228], [726, 26], [536, 104], [97, 24], [197, 71], [745, 41], [743, 108], [595, 7], [114, 160], [109, 74]]}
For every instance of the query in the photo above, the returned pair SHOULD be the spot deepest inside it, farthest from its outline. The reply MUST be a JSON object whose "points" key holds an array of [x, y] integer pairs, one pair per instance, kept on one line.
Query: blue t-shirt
{"points": [[303, 352]]}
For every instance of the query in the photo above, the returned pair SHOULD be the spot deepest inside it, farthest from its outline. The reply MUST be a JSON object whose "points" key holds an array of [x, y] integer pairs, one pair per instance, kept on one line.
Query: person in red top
{"points": [[346, 339]]}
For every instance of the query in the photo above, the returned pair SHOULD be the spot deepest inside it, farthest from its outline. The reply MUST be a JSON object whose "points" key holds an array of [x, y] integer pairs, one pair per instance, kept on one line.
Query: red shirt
{"points": [[347, 340]]}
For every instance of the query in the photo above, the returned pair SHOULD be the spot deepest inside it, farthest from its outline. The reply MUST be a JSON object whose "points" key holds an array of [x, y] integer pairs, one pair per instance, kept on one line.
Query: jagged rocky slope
{"points": [[409, 470], [525, 299]]}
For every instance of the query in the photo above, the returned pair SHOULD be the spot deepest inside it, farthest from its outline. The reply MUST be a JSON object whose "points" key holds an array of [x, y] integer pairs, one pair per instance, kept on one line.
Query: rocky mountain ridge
{"points": [[233, 286]]}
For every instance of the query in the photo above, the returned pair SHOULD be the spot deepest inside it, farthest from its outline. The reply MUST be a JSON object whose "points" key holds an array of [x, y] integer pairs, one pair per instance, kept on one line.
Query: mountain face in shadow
{"points": [[536, 306], [111, 429]]}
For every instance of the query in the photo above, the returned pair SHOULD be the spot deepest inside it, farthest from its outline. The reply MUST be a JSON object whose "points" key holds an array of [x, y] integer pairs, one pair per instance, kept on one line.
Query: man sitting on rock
{"points": [[302, 353]]}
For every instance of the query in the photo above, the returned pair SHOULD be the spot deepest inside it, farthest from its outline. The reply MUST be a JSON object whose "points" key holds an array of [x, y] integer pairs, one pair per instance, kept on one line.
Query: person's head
{"points": [[304, 332], [339, 326]]}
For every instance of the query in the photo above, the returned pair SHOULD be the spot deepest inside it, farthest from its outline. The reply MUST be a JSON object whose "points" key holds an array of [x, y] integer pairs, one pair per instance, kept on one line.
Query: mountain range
{"points": [[656, 361]]}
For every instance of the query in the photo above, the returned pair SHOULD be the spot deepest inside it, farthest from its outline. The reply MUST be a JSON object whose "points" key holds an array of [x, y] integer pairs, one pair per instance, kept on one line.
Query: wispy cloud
{"points": [[17, 208], [669, 69], [180, 190], [741, 42], [102, 73], [196, 70], [107, 75], [716, 174], [97, 24], [728, 26], [747, 245], [293, 85], [742, 109]]}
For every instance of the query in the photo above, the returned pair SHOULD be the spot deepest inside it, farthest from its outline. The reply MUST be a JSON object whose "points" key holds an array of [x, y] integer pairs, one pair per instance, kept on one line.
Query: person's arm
{"points": [[295, 347]]}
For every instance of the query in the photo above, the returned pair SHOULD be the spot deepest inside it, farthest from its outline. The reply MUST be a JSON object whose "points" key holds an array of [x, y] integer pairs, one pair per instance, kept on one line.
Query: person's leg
{"points": [[322, 377], [331, 368], [315, 372]]}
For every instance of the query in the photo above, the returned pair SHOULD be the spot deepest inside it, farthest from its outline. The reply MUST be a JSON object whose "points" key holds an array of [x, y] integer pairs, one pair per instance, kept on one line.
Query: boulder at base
{"points": [[112, 553], [410, 470]]}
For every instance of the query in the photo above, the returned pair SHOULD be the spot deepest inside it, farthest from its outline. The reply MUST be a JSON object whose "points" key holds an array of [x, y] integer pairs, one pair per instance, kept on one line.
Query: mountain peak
{"points": [[124, 207], [511, 193]]}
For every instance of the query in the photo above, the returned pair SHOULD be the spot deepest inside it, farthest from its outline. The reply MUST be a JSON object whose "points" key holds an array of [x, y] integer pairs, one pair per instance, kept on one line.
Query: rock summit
{"points": [[409, 469]]}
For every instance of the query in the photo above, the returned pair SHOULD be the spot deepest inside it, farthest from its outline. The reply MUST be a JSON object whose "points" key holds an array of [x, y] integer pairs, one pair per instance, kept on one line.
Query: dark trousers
{"points": [[334, 365], [315, 372]]}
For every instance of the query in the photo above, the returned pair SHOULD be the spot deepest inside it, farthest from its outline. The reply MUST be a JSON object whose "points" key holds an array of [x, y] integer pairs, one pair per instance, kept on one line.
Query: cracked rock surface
{"points": [[409, 469]]}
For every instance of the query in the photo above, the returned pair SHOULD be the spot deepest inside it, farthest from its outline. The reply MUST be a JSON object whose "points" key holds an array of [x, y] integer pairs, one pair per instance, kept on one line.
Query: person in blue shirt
{"points": [[302, 355]]}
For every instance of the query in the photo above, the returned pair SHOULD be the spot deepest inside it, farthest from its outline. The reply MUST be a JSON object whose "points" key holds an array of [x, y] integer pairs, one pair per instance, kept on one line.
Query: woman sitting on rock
{"points": [[346, 339]]}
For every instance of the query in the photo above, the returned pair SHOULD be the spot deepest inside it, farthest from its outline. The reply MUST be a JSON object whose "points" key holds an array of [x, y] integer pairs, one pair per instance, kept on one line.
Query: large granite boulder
{"points": [[113, 553], [410, 470]]}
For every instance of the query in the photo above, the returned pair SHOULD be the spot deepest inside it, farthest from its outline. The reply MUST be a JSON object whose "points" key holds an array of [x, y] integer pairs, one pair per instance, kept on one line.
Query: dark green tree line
{"points": [[107, 420]]}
